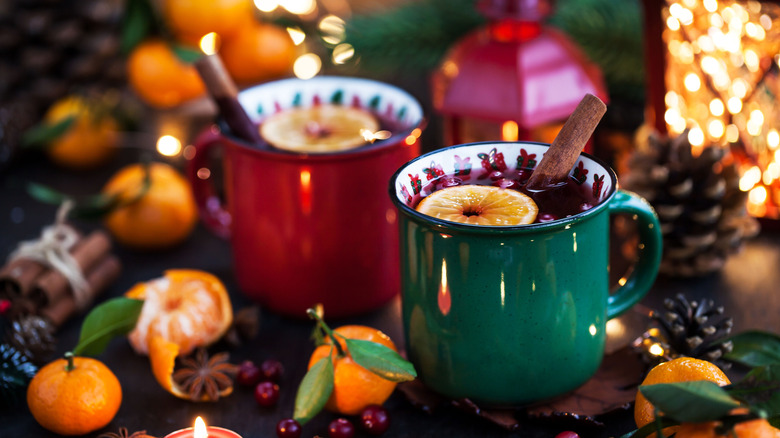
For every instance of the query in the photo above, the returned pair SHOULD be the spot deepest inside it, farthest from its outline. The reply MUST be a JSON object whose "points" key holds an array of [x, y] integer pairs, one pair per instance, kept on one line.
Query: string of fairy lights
{"points": [[722, 85]]}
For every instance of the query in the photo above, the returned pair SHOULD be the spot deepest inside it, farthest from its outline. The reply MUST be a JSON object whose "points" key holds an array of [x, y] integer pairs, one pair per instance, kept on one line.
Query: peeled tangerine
{"points": [[188, 308], [480, 205], [321, 128]]}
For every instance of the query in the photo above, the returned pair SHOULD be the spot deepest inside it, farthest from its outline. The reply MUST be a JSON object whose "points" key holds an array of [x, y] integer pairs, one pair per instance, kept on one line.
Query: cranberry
{"points": [[272, 370], [585, 206], [288, 428], [496, 175], [567, 434], [248, 374], [341, 428], [450, 181], [266, 394], [546, 217], [507, 184], [374, 419]]}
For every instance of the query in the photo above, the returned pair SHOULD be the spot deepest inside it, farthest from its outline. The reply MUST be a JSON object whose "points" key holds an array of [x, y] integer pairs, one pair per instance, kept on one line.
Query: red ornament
{"points": [[515, 79]]}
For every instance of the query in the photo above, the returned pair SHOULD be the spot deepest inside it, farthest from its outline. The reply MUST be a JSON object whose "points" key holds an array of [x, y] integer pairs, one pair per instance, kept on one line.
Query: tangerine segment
{"points": [[480, 205], [74, 402], [187, 307], [321, 128], [354, 387], [682, 369]]}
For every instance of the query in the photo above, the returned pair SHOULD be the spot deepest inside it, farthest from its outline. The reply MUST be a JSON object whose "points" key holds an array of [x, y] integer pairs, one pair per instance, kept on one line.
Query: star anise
{"points": [[123, 433], [206, 379]]}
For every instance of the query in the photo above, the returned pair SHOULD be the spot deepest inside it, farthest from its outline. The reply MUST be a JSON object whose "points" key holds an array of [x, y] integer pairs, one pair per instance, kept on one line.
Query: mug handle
{"points": [[650, 241], [210, 206]]}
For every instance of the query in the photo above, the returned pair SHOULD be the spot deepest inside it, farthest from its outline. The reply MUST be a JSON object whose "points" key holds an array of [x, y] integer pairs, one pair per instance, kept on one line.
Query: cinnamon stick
{"points": [[562, 155], [225, 94], [18, 276], [52, 285], [98, 278]]}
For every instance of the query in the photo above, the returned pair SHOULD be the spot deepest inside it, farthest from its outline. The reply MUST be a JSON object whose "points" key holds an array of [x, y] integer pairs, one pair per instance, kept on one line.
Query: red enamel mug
{"points": [[308, 228]]}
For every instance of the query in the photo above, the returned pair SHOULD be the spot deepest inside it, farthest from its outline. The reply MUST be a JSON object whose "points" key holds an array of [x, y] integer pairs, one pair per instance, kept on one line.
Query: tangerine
{"points": [[163, 216], [185, 307], [74, 396], [682, 369], [160, 78], [480, 205], [258, 52], [354, 387], [191, 19], [89, 141]]}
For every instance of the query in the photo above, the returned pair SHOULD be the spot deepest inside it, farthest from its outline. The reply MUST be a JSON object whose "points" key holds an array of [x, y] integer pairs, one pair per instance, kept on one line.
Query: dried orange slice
{"points": [[162, 355], [321, 128], [480, 205], [189, 308]]}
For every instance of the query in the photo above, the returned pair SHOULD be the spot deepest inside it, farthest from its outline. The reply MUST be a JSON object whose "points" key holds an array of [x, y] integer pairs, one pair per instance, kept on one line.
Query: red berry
{"points": [[546, 217], [496, 175], [248, 374], [266, 394], [341, 428], [272, 370], [374, 419], [288, 428], [585, 206], [567, 434]]}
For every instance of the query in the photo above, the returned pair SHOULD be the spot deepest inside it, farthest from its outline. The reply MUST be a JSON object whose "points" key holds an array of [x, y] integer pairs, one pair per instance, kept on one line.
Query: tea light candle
{"points": [[200, 430]]}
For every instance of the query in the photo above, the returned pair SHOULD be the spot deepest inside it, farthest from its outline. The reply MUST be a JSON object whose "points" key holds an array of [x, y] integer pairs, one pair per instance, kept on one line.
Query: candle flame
{"points": [[208, 43], [200, 429]]}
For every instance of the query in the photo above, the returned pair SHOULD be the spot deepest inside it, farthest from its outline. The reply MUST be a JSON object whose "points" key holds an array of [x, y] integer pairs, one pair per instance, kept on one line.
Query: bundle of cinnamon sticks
{"points": [[45, 291]]}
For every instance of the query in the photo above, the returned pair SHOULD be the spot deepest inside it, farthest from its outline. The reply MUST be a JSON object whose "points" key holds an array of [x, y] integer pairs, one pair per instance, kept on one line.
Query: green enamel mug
{"points": [[511, 315]]}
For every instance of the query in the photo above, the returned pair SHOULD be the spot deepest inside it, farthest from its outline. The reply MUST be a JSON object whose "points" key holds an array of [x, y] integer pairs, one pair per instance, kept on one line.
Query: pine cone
{"points": [[698, 201], [51, 48], [32, 336], [688, 328], [16, 370]]}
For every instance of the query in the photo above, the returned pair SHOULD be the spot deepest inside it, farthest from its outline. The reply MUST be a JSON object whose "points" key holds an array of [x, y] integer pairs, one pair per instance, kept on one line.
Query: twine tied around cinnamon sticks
{"points": [[61, 272]]}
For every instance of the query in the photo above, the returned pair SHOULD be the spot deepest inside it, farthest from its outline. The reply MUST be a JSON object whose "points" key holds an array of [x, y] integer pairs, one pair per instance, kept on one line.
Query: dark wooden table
{"points": [[748, 287]]}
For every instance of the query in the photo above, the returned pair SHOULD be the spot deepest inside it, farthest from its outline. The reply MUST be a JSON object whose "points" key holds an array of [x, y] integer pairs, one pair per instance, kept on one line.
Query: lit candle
{"points": [[200, 430]]}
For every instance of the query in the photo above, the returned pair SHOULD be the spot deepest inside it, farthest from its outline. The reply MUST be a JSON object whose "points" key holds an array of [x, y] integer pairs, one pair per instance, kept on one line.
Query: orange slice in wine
{"points": [[480, 205], [188, 308], [322, 128]]}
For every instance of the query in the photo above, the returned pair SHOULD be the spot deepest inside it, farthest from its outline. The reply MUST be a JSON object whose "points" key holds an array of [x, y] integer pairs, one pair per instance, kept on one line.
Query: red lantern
{"points": [[515, 79]]}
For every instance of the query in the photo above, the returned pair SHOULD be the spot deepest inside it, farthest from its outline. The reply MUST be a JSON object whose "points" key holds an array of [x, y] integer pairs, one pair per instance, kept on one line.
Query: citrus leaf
{"points": [[186, 54], [315, 389], [137, 24], [94, 206], [760, 389], [381, 360], [43, 133], [754, 348], [694, 401], [115, 317]]}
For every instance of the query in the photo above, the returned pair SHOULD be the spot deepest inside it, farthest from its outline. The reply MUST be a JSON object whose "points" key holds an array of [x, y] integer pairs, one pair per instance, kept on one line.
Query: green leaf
{"points": [[115, 317], [381, 360], [754, 348], [137, 24], [44, 133], [186, 54], [760, 389], [94, 206], [315, 389], [694, 401]]}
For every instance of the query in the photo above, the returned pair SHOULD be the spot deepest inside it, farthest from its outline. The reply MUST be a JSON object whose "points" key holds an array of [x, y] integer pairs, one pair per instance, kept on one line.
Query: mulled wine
{"points": [[561, 201]]}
